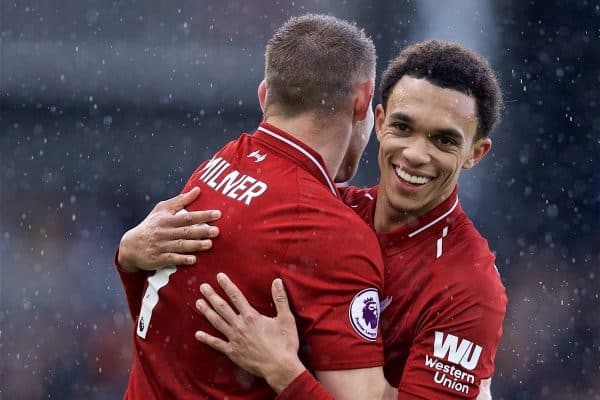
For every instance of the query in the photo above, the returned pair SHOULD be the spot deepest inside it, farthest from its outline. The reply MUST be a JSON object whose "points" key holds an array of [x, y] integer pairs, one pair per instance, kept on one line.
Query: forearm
{"points": [[281, 375], [305, 386], [122, 261]]}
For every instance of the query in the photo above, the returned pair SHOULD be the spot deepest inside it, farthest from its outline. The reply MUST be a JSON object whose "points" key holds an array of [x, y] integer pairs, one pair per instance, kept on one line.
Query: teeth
{"points": [[417, 180]]}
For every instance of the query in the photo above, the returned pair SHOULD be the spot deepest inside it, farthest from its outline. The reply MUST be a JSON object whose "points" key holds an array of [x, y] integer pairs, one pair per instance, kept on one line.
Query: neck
{"points": [[388, 218], [330, 139]]}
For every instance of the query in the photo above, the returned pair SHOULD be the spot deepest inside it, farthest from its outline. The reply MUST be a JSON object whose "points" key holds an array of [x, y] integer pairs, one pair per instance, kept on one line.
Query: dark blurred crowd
{"points": [[108, 108]]}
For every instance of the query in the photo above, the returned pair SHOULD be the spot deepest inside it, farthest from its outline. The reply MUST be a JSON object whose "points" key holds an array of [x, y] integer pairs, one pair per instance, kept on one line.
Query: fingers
{"points": [[214, 342], [219, 305], [183, 246], [280, 298], [195, 217], [177, 252], [174, 259], [180, 201], [202, 231], [216, 320], [234, 293]]}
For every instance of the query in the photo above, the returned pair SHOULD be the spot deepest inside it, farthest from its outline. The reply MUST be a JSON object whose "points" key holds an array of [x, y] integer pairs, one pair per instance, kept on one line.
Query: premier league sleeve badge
{"points": [[364, 313]]}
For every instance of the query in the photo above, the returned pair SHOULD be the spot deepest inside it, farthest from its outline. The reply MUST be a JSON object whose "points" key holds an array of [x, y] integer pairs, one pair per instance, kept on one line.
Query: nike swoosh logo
{"points": [[383, 304]]}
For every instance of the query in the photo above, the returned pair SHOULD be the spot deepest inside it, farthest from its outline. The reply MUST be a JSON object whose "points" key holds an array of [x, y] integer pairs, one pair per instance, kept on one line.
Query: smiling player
{"points": [[443, 302]]}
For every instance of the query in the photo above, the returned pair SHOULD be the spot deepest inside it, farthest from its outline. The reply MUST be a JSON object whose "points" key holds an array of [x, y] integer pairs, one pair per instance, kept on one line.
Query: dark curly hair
{"points": [[452, 66]]}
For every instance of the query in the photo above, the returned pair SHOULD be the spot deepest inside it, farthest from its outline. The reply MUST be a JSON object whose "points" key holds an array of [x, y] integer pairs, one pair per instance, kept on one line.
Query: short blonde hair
{"points": [[313, 62]]}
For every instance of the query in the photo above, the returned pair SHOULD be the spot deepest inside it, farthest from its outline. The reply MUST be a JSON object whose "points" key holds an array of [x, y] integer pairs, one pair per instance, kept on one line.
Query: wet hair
{"points": [[313, 62], [451, 66]]}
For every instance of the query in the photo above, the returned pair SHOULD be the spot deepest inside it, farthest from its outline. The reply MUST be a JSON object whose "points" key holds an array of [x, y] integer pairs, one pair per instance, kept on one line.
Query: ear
{"points": [[379, 121], [262, 94], [478, 150], [363, 100]]}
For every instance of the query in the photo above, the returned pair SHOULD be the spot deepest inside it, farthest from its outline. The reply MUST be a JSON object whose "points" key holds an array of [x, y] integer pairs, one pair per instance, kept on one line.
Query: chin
{"points": [[404, 204]]}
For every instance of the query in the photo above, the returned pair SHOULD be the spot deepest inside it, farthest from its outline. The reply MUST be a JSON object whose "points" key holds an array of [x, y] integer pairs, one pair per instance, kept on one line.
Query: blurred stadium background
{"points": [[107, 107]]}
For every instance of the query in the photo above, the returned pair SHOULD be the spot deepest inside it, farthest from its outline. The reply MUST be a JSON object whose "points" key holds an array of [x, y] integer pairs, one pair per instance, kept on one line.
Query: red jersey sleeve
{"points": [[305, 386], [334, 285], [456, 342], [133, 284]]}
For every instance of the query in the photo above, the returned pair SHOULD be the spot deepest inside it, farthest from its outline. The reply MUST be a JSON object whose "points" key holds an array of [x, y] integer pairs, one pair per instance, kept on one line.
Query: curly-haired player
{"points": [[443, 303]]}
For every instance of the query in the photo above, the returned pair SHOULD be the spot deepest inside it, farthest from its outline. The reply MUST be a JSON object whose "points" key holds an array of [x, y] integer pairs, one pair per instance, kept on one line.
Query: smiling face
{"points": [[426, 136]]}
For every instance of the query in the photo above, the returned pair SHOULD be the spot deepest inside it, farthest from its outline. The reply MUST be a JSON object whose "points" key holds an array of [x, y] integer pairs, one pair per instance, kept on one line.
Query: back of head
{"points": [[313, 62], [451, 66]]}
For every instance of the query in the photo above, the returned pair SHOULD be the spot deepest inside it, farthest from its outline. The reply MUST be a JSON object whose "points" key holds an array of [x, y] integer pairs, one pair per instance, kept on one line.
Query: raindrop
{"points": [[552, 211]]}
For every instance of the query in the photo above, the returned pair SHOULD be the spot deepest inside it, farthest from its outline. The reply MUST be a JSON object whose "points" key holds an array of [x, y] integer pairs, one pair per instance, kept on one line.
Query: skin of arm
{"points": [[485, 389], [268, 347], [168, 235]]}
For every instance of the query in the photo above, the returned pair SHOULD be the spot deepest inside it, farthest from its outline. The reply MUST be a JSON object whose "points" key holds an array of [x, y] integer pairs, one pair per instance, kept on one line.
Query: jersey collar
{"points": [[298, 151], [444, 213]]}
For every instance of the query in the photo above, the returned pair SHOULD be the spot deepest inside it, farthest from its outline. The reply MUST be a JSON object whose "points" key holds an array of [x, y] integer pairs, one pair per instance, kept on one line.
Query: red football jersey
{"points": [[443, 304], [282, 217]]}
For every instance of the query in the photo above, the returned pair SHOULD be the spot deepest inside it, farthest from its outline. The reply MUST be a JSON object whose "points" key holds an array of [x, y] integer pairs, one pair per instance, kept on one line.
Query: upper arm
{"points": [[334, 285], [133, 284], [354, 384], [455, 345]]}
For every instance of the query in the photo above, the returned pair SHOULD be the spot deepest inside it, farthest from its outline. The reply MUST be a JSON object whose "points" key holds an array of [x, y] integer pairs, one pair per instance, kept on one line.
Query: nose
{"points": [[416, 151]]}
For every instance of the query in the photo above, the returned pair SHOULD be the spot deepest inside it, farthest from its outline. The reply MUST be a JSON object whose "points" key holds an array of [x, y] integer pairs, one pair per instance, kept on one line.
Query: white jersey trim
{"points": [[306, 153], [435, 221]]}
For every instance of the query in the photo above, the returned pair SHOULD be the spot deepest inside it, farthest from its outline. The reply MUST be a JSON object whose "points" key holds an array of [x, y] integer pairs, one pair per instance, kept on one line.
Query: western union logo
{"points": [[458, 351]]}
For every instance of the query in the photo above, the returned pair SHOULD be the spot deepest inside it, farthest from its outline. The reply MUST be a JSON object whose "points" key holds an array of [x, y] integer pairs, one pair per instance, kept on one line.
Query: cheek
{"points": [[387, 148], [451, 163]]}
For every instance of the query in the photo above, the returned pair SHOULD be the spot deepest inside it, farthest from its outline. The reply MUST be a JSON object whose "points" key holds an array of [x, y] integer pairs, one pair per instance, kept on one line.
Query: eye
{"points": [[400, 126], [446, 140]]}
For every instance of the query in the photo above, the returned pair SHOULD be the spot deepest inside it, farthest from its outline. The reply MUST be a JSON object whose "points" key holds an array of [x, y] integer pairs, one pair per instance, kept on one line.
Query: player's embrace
{"points": [[443, 306], [284, 216], [443, 303]]}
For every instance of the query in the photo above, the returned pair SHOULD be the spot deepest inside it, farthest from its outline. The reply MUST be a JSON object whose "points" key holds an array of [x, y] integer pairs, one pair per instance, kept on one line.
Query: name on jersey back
{"points": [[218, 175]]}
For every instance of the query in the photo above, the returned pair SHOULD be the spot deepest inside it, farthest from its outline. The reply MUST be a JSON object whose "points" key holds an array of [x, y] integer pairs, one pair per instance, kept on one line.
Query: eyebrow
{"points": [[400, 116]]}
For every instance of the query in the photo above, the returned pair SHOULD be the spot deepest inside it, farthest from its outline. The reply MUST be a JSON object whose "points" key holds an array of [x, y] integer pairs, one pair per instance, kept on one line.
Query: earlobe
{"points": [[479, 150]]}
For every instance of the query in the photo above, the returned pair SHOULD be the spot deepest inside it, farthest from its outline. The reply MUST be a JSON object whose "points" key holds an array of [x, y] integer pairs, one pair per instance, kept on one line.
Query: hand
{"points": [[264, 346], [485, 390], [167, 236]]}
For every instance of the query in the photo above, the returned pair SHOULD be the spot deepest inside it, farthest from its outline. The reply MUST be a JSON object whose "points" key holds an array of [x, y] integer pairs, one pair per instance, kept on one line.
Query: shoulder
{"points": [[465, 249], [341, 235], [336, 218], [468, 268], [354, 195], [360, 200], [319, 202]]}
